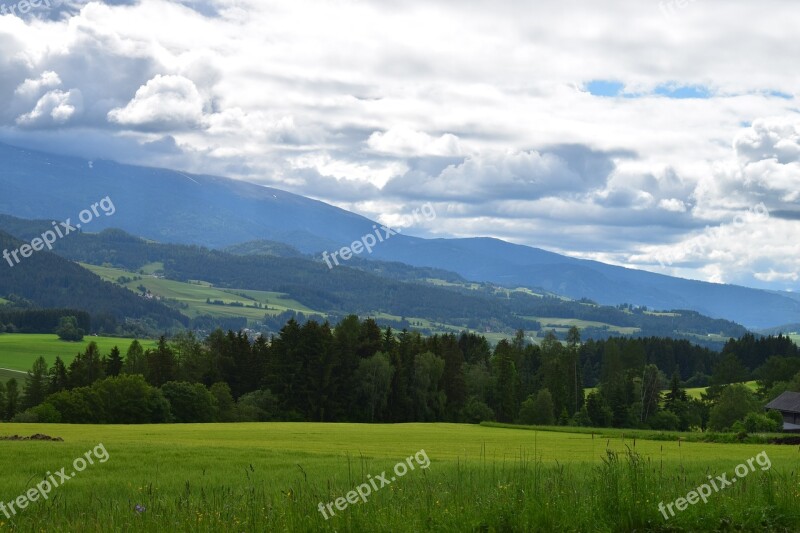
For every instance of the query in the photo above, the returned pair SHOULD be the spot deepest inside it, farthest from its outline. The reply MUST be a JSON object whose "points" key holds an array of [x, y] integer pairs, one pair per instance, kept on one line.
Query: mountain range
{"points": [[216, 212]]}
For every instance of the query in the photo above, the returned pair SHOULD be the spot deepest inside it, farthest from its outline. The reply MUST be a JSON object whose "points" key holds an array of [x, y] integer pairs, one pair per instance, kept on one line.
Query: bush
{"points": [[665, 420], [42, 414], [129, 399], [68, 329], [758, 423], [776, 416], [538, 411], [190, 402], [258, 406], [735, 402], [117, 400], [476, 411]]}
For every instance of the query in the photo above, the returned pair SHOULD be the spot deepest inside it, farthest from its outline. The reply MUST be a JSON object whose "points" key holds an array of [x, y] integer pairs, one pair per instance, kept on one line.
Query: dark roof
{"points": [[788, 401]]}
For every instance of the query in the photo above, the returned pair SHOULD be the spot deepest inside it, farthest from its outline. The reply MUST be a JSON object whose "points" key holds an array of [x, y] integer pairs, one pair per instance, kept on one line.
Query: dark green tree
{"points": [[86, 368], [734, 403], [113, 364], [453, 377], [58, 379], [135, 361], [189, 402], [538, 410], [36, 384], [68, 329], [505, 386], [161, 364], [12, 398]]}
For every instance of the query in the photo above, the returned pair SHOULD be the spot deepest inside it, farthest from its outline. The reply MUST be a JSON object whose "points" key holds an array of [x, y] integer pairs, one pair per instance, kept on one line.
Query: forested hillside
{"points": [[381, 288]]}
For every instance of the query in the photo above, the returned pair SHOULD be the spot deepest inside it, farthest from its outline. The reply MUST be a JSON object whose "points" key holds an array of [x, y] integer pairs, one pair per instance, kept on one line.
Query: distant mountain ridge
{"points": [[395, 293], [171, 206]]}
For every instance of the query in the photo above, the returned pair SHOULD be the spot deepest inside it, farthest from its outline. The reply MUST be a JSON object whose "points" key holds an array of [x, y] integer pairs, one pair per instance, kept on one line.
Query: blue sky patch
{"points": [[605, 87], [682, 91]]}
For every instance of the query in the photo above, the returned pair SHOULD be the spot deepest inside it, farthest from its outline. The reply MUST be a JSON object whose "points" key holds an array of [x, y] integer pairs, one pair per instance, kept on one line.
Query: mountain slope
{"points": [[46, 280], [369, 288], [170, 206]]}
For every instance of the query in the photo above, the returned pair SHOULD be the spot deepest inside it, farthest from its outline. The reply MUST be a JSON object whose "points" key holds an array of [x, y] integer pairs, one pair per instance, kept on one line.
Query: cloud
{"points": [[528, 174], [775, 138], [672, 204], [31, 88], [54, 108], [404, 141], [163, 103]]}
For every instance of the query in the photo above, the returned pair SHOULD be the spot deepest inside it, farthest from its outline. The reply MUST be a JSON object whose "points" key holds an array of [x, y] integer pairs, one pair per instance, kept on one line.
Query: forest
{"points": [[356, 371]]}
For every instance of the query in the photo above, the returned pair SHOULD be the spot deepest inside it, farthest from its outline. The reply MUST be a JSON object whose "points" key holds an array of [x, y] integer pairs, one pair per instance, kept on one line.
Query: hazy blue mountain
{"points": [[171, 206]]}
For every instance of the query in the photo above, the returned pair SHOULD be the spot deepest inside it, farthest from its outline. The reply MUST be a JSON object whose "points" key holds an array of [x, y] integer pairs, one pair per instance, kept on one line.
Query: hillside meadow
{"points": [[273, 476], [18, 351]]}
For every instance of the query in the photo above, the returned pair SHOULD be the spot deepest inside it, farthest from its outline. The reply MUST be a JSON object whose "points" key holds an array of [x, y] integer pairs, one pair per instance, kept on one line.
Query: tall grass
{"points": [[272, 477], [523, 494]]}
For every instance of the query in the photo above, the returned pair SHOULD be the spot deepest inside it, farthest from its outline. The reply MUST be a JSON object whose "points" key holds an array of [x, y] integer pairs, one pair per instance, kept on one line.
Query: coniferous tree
{"points": [[59, 380], [113, 363], [505, 387], [161, 364], [453, 377], [36, 385], [12, 398], [135, 362], [86, 368]]}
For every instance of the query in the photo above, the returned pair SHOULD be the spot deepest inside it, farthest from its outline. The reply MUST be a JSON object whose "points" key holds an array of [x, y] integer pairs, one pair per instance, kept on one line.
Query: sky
{"points": [[658, 135]]}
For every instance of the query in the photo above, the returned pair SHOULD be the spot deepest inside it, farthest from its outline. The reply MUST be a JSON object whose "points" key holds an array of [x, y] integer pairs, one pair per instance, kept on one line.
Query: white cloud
{"points": [[404, 141], [54, 108], [163, 103], [47, 80], [672, 204]]}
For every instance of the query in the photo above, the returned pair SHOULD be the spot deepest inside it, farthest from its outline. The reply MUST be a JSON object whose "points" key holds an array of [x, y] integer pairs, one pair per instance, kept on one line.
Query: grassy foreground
{"points": [[272, 477]]}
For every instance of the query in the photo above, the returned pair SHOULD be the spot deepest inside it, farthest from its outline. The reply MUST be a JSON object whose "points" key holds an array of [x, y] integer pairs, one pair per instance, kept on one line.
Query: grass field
{"points": [[18, 351], [272, 477], [695, 392], [6, 375], [194, 295], [561, 325]]}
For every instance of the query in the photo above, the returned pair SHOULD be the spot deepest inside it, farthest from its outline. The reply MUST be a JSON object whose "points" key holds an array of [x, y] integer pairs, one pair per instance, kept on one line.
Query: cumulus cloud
{"points": [[774, 138], [163, 103], [404, 141], [672, 204], [33, 87], [53, 109]]}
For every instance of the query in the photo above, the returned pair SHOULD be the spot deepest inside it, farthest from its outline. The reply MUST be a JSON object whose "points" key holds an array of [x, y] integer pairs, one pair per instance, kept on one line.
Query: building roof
{"points": [[788, 401]]}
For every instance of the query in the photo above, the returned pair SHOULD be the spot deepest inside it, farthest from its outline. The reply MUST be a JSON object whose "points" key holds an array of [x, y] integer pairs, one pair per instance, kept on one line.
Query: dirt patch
{"points": [[37, 436]]}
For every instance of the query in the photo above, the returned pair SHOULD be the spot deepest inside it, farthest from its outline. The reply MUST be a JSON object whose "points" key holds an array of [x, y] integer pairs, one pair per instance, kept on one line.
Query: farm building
{"points": [[788, 404]]}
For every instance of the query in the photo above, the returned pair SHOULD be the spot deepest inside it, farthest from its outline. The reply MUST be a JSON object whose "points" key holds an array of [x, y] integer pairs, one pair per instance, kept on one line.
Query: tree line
{"points": [[356, 371]]}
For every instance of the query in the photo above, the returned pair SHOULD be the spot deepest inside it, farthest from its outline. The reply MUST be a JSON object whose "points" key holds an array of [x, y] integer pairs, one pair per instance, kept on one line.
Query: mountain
{"points": [[175, 207], [207, 285]]}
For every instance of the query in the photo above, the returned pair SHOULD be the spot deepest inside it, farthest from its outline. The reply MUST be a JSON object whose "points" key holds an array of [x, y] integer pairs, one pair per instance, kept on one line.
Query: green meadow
{"points": [[193, 296], [273, 476], [18, 351]]}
